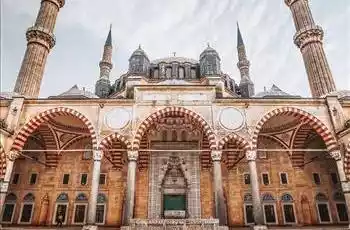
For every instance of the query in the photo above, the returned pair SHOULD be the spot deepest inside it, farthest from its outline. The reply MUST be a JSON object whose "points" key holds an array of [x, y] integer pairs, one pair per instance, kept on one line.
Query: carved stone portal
{"points": [[174, 186]]}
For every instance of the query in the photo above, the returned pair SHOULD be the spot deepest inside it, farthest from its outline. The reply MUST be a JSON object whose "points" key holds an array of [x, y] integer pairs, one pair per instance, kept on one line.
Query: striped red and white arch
{"points": [[2, 162], [42, 117], [107, 141], [173, 111], [347, 160], [238, 140], [305, 117]]}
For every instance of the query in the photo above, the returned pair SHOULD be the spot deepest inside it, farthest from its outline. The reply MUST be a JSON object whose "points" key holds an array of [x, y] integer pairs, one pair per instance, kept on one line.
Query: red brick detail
{"points": [[304, 117], [173, 111], [35, 122]]}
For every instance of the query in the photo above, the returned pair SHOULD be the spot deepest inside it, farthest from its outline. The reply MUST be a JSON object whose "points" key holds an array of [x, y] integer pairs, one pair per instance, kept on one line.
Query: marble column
{"points": [[97, 156], [130, 190], [220, 206], [345, 184], [257, 205], [11, 157]]}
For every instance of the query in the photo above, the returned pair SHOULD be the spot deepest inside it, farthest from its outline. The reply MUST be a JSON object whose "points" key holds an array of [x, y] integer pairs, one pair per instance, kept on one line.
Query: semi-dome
{"points": [[174, 59], [274, 92], [340, 94], [75, 92]]}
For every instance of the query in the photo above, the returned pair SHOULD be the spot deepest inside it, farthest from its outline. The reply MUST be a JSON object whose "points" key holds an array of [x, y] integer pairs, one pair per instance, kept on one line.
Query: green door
{"points": [[174, 202]]}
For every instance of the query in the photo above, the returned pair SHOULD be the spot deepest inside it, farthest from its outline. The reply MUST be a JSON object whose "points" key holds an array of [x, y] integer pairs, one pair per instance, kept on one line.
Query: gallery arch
{"points": [[296, 151], [41, 151]]}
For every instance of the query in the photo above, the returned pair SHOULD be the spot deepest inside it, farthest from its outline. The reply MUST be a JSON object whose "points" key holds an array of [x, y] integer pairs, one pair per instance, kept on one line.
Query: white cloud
{"points": [[182, 26]]}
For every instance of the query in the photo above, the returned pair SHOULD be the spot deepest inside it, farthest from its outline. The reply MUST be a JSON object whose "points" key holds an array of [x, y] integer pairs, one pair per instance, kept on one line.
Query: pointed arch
{"points": [[42, 117], [177, 111], [305, 117], [239, 141], [107, 141], [2, 162], [347, 160]]}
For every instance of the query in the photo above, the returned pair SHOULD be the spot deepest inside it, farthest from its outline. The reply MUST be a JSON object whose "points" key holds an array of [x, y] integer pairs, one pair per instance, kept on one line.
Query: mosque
{"points": [[175, 143]]}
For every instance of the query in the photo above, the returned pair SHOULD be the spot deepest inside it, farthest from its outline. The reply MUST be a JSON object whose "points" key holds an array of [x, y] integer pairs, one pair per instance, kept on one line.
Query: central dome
{"points": [[174, 59]]}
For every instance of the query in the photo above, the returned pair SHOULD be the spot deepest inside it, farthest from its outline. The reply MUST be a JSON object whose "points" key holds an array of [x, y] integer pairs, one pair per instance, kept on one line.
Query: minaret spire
{"points": [[40, 40], [246, 85], [102, 87], [239, 37], [308, 39]]}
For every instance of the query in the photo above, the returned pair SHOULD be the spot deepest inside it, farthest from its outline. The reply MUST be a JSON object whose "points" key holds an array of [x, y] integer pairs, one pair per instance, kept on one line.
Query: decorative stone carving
{"points": [[98, 154], [336, 155], [231, 118], [4, 186], [216, 155], [251, 155], [37, 34], [133, 155], [307, 35], [117, 118], [13, 155], [345, 186]]}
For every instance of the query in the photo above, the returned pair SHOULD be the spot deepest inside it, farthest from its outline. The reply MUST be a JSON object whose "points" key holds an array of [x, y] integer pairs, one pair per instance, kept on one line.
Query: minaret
{"points": [[308, 39], [103, 85], [246, 85], [40, 40]]}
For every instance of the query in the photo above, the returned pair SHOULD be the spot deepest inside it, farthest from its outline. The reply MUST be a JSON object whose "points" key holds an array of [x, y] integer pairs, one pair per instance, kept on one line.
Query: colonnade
{"points": [[220, 206]]}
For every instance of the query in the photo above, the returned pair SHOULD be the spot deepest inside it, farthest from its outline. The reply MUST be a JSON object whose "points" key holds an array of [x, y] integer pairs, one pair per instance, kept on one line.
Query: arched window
{"points": [[181, 73], [80, 209], [183, 135], [269, 204], [288, 209], [101, 208], [322, 208], [248, 209], [174, 135], [87, 154], [164, 135], [9, 208], [342, 212], [27, 209], [61, 208]]}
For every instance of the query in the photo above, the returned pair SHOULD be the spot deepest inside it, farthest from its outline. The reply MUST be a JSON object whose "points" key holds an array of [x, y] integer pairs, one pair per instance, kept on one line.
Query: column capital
{"points": [[251, 155], [291, 2], [345, 185], [335, 154], [133, 155], [13, 155], [97, 155], [4, 186], [216, 155]]}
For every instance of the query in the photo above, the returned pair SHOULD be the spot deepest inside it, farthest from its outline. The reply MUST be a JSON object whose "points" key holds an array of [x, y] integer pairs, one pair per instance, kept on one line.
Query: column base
{"points": [[259, 227], [90, 227]]}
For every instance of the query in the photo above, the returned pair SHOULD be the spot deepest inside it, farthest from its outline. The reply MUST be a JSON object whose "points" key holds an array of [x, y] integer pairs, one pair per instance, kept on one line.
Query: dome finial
{"points": [[139, 46], [208, 44], [174, 53]]}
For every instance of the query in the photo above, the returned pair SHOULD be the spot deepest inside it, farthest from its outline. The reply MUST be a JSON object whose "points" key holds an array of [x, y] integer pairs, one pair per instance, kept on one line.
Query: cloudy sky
{"points": [[182, 26]]}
